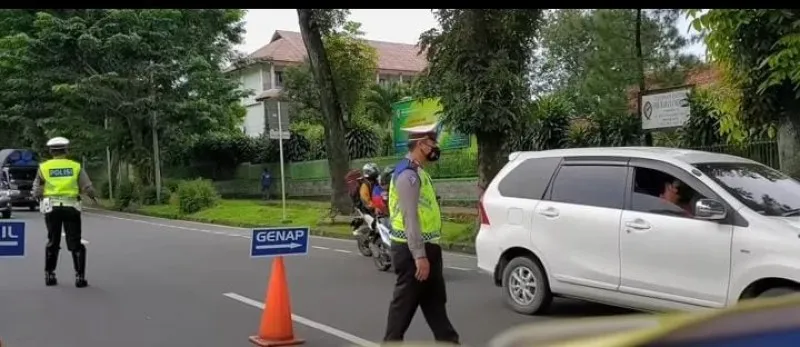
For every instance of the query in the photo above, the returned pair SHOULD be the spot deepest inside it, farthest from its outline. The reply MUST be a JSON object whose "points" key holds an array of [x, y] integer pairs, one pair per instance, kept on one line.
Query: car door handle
{"points": [[637, 224], [549, 212]]}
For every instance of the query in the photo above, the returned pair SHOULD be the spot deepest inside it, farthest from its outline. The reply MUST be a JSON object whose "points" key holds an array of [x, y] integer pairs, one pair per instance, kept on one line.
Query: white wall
{"points": [[254, 121], [251, 79], [255, 78]]}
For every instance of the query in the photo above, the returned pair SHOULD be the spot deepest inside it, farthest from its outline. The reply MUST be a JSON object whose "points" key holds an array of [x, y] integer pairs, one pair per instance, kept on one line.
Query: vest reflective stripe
{"points": [[61, 178], [430, 216], [400, 236]]}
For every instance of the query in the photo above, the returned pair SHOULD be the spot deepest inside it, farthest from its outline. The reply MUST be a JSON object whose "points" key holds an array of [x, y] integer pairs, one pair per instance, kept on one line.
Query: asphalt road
{"points": [[156, 282]]}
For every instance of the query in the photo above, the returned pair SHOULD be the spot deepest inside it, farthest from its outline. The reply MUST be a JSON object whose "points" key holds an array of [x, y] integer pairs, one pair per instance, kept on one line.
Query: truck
{"points": [[18, 168]]}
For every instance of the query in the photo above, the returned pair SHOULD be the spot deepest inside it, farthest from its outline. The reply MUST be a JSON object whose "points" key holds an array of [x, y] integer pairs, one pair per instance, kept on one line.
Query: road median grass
{"points": [[457, 231]]}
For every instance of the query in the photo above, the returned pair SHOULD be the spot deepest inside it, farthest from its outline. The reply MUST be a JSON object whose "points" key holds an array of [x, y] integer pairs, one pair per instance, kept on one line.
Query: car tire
{"points": [[520, 299], [779, 291], [7, 214], [33, 207]]}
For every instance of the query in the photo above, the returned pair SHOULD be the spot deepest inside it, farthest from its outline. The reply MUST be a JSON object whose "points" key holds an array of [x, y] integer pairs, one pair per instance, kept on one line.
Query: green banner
{"points": [[415, 113]]}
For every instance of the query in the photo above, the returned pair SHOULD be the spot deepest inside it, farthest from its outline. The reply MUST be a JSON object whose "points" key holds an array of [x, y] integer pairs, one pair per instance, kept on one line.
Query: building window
{"points": [[265, 79], [278, 79]]}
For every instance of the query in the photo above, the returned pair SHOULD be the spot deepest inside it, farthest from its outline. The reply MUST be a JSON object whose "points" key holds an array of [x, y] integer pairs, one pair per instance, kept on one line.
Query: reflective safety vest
{"points": [[61, 180], [430, 216]]}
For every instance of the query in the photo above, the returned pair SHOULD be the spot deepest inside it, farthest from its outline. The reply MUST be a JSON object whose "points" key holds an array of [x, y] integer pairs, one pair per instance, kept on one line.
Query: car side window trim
{"points": [[584, 161], [549, 189], [596, 163], [734, 218]]}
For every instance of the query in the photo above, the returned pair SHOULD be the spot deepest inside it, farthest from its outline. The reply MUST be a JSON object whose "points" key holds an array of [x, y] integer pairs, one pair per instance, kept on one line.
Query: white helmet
{"points": [[58, 142]]}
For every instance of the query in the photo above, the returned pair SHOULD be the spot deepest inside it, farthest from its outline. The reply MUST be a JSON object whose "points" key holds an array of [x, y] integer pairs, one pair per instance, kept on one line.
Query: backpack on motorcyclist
{"points": [[370, 174], [353, 181]]}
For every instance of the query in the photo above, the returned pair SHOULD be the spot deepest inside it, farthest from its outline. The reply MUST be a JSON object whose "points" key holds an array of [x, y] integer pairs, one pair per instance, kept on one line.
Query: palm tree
{"points": [[379, 100]]}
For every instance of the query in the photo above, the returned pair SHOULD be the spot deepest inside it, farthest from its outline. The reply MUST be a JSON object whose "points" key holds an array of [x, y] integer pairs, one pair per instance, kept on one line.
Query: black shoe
{"points": [[80, 281], [50, 279]]}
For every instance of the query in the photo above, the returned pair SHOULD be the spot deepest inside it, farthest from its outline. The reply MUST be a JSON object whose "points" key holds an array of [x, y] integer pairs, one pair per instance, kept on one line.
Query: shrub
{"points": [[219, 153], [362, 140], [101, 187], [149, 196], [171, 184], [126, 193], [195, 195], [295, 149]]}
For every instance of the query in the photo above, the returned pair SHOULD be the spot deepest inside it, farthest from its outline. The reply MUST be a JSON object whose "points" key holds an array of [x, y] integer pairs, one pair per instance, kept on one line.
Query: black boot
{"points": [[79, 261], [50, 279], [50, 260], [80, 281]]}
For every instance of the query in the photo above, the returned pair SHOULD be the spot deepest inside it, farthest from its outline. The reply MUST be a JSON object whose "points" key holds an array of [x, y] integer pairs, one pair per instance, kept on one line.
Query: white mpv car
{"points": [[647, 228]]}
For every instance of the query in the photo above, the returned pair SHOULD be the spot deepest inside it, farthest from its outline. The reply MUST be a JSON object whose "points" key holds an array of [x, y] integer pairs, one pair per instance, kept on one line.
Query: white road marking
{"points": [[307, 322], [140, 220], [85, 242], [458, 268], [140, 216]]}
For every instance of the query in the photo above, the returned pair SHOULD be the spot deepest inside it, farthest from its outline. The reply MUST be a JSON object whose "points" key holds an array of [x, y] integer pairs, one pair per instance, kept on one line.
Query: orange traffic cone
{"points": [[276, 319]]}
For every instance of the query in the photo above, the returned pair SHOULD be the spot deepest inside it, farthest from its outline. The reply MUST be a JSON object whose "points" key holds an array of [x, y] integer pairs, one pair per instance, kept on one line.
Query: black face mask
{"points": [[434, 154]]}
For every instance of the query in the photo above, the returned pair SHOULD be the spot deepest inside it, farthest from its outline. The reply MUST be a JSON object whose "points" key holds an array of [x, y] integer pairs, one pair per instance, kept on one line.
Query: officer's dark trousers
{"points": [[430, 295], [69, 219]]}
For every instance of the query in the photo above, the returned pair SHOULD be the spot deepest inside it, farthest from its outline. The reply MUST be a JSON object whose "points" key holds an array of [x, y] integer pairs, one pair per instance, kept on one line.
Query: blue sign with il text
{"points": [[273, 242], [12, 239]]}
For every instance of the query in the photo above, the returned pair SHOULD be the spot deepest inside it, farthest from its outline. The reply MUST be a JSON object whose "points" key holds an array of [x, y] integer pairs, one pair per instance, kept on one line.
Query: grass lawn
{"points": [[256, 213]]}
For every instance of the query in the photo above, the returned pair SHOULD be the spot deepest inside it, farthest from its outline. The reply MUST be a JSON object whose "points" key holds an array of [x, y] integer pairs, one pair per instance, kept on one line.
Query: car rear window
{"points": [[601, 186], [529, 179], [26, 174]]}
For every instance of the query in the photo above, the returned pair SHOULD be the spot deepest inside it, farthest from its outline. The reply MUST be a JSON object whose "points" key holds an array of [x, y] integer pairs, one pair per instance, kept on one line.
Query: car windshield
{"points": [[763, 189]]}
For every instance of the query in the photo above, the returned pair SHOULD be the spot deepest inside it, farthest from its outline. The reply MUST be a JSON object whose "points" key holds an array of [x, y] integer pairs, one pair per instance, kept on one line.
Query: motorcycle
{"points": [[373, 243], [361, 230]]}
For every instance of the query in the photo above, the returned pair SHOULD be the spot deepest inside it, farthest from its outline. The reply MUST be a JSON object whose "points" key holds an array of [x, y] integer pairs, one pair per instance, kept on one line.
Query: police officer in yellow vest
{"points": [[58, 186], [417, 258]]}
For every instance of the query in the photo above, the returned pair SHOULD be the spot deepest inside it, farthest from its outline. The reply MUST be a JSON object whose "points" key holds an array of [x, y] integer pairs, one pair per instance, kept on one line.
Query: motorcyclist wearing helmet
{"points": [[380, 193], [369, 179]]}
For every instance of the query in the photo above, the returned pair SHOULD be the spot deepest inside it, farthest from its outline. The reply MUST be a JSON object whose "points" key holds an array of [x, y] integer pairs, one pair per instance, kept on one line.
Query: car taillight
{"points": [[482, 211]]}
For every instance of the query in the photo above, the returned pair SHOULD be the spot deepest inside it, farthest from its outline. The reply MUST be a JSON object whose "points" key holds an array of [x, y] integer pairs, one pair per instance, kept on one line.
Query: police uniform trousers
{"points": [[430, 295], [69, 219]]}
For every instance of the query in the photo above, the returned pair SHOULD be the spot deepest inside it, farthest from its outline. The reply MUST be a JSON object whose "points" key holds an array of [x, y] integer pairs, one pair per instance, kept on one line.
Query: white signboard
{"points": [[665, 110], [274, 134]]}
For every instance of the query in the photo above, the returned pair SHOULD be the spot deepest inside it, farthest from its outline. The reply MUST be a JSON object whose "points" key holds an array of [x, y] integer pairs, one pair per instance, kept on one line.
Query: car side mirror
{"points": [[709, 209]]}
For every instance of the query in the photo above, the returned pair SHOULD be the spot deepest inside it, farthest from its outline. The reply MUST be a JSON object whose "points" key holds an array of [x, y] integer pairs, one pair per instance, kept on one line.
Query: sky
{"points": [[403, 26]]}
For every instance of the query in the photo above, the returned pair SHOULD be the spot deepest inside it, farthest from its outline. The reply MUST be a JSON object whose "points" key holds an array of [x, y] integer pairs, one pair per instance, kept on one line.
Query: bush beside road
{"points": [[458, 228]]}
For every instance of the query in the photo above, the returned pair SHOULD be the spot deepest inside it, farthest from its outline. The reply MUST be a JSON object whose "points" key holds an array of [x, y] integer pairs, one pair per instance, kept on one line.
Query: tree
{"points": [[69, 71], [757, 50], [478, 63], [314, 24], [592, 56], [353, 64], [379, 100]]}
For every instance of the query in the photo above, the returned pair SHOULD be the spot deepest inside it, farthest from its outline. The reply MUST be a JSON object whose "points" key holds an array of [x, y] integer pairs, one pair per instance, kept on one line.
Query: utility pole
{"points": [[156, 156], [648, 135], [280, 151], [108, 164]]}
